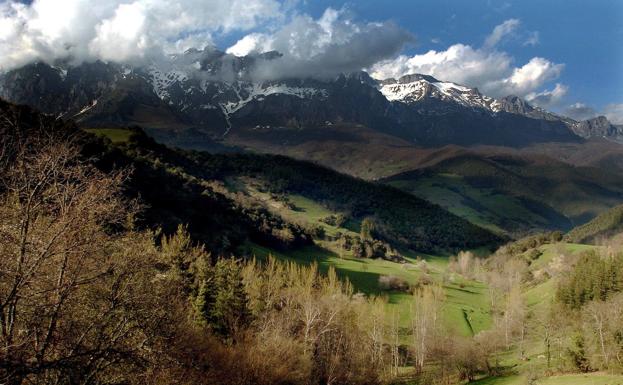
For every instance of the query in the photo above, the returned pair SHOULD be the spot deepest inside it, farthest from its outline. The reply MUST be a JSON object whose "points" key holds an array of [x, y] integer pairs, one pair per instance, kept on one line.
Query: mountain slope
{"points": [[514, 194], [178, 187], [215, 94], [604, 226]]}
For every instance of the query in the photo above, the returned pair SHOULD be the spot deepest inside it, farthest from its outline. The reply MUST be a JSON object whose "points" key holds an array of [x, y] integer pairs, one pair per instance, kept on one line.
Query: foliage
{"points": [[594, 277], [603, 226]]}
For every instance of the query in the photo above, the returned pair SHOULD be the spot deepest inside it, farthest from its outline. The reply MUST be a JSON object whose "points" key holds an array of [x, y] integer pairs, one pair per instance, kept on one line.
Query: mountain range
{"points": [[501, 163], [213, 93]]}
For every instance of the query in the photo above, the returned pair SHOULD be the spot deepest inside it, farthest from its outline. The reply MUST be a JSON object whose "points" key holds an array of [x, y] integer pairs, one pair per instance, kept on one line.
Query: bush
{"points": [[392, 282]]}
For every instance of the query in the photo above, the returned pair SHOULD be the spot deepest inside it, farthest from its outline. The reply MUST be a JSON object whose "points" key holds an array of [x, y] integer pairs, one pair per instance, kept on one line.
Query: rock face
{"points": [[598, 127], [210, 93]]}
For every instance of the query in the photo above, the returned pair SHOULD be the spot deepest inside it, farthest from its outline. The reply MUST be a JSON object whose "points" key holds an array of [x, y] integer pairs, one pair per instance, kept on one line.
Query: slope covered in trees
{"points": [[603, 226], [515, 194], [89, 296], [171, 182], [174, 187]]}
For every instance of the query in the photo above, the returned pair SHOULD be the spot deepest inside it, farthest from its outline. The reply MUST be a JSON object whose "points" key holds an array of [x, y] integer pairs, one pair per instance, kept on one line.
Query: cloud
{"points": [[120, 30], [529, 77], [500, 31], [532, 39], [252, 43], [332, 44], [492, 71], [580, 111], [548, 98], [614, 113]]}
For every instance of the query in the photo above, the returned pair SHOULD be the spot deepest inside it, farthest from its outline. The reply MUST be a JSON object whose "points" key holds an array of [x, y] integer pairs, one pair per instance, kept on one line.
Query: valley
{"points": [[471, 294], [277, 192]]}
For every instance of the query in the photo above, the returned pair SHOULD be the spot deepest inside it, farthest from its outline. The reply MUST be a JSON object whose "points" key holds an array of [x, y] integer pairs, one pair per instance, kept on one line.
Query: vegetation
{"points": [[400, 218], [115, 135], [117, 268], [593, 277], [603, 226], [514, 194], [86, 298]]}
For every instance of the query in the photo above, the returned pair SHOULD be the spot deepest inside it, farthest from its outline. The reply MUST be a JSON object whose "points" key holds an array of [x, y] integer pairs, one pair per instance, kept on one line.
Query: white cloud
{"points": [[459, 63], [579, 111], [529, 77], [548, 98], [252, 43], [492, 71], [119, 30], [330, 45], [500, 31], [614, 113]]}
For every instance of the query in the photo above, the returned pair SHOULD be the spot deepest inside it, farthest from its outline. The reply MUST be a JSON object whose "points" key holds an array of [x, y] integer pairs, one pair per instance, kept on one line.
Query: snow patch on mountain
{"points": [[162, 80], [413, 88], [260, 91]]}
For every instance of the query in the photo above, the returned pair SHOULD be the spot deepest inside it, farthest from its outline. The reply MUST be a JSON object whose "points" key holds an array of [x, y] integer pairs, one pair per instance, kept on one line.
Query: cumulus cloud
{"points": [[548, 98], [529, 77], [119, 30], [252, 43], [500, 31], [491, 70], [327, 46], [614, 113]]}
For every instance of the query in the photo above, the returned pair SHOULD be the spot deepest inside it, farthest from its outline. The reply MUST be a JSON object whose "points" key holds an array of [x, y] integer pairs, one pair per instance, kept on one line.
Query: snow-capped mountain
{"points": [[416, 87], [213, 93]]}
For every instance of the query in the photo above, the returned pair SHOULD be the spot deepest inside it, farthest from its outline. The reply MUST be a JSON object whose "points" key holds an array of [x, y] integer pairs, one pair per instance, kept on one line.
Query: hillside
{"points": [[514, 193], [602, 227], [176, 188], [419, 225]]}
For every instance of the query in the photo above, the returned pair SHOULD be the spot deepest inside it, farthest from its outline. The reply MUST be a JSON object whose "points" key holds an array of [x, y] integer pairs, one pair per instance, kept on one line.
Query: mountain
{"points": [[598, 127], [229, 200], [514, 194], [206, 95], [600, 228], [415, 132], [416, 88]]}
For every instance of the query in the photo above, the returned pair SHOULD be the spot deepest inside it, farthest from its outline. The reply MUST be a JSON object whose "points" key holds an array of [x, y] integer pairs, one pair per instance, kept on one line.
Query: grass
{"points": [[484, 207], [466, 309], [570, 379], [116, 135], [539, 297], [508, 380], [467, 306], [582, 379]]}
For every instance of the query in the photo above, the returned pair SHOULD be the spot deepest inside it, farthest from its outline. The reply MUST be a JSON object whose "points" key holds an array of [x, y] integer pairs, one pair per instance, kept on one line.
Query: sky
{"points": [[563, 55]]}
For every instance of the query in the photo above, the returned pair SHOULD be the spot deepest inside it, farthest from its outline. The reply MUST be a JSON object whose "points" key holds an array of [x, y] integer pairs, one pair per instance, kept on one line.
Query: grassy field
{"points": [[116, 135], [466, 309], [483, 206], [571, 379], [541, 295], [582, 379], [467, 306]]}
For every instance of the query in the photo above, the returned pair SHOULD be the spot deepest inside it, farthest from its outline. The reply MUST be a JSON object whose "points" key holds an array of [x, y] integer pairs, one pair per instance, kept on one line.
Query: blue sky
{"points": [[587, 36], [563, 55]]}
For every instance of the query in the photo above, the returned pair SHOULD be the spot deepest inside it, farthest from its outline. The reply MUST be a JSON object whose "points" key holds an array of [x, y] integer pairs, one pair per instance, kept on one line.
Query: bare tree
{"points": [[71, 301]]}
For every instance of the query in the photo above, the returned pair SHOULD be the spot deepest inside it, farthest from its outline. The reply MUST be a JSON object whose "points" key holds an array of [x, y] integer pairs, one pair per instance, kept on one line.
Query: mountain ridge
{"points": [[213, 92]]}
